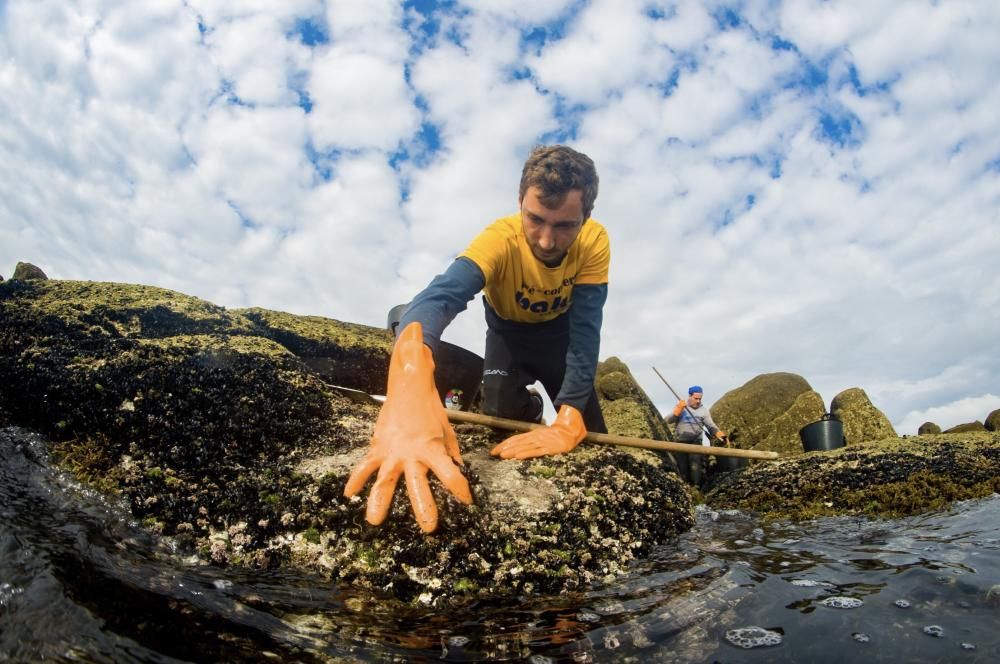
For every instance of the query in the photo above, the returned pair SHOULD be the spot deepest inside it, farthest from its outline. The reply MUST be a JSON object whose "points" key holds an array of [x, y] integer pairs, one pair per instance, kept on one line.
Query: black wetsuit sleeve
{"points": [[586, 314], [444, 298]]}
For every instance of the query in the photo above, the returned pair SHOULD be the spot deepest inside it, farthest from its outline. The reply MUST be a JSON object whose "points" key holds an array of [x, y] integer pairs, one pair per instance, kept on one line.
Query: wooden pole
{"points": [[464, 417]]}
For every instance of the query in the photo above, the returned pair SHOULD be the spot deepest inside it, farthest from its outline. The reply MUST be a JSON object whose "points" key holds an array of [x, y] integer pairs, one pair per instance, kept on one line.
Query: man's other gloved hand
{"points": [[679, 408], [412, 435], [562, 435]]}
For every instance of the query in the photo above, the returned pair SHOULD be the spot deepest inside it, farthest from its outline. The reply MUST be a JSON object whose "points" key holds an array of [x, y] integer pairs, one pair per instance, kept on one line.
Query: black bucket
{"points": [[823, 435], [729, 464]]}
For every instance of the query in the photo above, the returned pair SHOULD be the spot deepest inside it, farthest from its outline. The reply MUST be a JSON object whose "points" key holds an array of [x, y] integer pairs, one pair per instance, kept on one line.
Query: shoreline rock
{"points": [[217, 434]]}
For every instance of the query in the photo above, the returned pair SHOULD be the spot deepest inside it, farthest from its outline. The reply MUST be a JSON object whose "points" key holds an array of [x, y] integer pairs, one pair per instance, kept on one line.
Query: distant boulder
{"points": [[993, 421], [966, 428], [27, 272], [862, 421], [767, 412], [928, 428], [628, 411]]}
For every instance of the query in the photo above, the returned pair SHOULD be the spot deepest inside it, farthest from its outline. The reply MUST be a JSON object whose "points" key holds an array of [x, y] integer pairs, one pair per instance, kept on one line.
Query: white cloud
{"points": [[169, 143]]}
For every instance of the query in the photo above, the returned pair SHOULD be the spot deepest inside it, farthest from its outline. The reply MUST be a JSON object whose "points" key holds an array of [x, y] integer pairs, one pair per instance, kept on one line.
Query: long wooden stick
{"points": [[463, 417], [611, 439]]}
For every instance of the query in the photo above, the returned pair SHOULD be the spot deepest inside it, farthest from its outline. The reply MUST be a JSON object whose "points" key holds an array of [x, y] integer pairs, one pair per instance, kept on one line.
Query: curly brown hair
{"points": [[556, 170]]}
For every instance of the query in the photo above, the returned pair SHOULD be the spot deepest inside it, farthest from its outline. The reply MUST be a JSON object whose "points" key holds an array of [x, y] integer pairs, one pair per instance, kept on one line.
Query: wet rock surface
{"points": [[883, 478], [215, 428]]}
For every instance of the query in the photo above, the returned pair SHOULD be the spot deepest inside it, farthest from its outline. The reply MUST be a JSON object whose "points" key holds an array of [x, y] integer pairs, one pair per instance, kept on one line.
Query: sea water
{"points": [[80, 581]]}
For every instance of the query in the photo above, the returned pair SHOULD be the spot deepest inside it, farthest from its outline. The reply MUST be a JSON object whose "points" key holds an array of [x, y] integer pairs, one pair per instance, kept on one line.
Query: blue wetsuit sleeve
{"points": [[444, 298], [586, 314]]}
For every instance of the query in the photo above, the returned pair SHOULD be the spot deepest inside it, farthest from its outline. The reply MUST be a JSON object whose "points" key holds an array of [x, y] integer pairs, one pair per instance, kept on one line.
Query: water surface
{"points": [[80, 581]]}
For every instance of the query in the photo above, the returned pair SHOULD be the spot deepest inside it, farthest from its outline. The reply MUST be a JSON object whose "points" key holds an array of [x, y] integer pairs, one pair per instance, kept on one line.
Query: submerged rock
{"points": [[886, 478], [767, 412], [218, 430]]}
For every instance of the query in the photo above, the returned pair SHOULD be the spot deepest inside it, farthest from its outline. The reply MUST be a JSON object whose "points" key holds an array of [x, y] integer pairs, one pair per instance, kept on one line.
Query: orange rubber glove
{"points": [[679, 408], [412, 435], [721, 435], [561, 436]]}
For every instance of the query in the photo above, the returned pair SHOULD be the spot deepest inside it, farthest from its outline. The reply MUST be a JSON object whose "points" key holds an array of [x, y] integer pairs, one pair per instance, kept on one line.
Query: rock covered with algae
{"points": [[891, 477], [218, 429]]}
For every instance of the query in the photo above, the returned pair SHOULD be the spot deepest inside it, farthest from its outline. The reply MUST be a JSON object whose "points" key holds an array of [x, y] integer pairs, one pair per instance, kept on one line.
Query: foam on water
{"points": [[843, 602], [753, 637]]}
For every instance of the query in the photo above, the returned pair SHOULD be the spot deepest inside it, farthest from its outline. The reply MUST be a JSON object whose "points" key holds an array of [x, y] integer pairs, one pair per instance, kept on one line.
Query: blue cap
{"points": [[695, 388]]}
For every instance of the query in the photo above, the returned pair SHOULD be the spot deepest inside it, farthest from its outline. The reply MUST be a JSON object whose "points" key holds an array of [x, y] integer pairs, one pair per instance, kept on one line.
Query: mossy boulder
{"points": [[346, 354], [214, 429], [928, 427], [966, 428], [628, 410], [28, 272], [767, 412], [862, 421], [992, 422], [886, 478]]}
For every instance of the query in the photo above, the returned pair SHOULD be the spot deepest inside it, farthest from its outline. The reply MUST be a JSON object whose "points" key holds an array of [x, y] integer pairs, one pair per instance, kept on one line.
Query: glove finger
{"points": [[451, 441], [421, 499], [380, 497], [524, 446], [451, 477], [361, 473], [507, 444]]}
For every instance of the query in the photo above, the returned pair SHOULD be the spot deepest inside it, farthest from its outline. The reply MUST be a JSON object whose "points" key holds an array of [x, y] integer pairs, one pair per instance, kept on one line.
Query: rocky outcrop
{"points": [[767, 412], [214, 429], [627, 409], [888, 478], [966, 428], [28, 272], [862, 421], [928, 427], [992, 422]]}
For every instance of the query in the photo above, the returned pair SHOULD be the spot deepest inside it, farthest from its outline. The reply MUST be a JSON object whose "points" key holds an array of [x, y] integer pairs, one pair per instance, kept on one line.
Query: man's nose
{"points": [[546, 238]]}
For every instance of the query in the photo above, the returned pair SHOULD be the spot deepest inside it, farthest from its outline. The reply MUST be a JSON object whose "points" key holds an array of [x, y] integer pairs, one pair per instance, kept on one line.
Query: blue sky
{"points": [[808, 186]]}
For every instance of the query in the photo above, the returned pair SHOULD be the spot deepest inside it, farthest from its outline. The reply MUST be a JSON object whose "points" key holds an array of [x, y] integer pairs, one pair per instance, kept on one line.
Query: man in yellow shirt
{"points": [[544, 275]]}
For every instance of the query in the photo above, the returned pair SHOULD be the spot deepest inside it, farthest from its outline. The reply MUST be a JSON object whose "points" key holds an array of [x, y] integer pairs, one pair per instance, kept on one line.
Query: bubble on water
{"points": [[740, 542], [902, 603], [861, 637], [934, 630], [804, 583], [540, 659], [611, 640], [457, 641], [968, 646], [993, 596], [587, 616], [842, 602], [753, 637]]}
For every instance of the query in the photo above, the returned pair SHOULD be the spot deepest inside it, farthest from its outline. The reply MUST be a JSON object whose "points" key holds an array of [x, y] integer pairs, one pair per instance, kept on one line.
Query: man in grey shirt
{"points": [[691, 418]]}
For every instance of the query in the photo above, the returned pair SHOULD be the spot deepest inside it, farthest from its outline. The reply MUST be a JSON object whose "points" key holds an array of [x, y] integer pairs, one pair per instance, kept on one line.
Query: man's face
{"points": [[551, 232], [694, 400]]}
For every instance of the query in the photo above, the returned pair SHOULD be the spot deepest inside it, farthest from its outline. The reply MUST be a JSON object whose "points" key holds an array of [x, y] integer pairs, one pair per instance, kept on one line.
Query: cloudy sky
{"points": [[809, 186]]}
